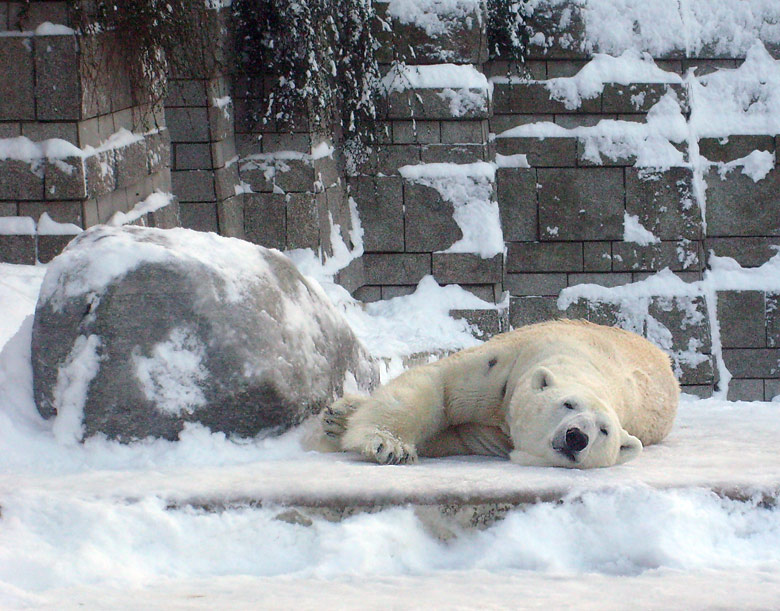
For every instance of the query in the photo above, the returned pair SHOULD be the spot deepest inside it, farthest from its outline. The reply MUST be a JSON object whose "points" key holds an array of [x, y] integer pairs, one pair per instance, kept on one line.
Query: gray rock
{"points": [[139, 331]]}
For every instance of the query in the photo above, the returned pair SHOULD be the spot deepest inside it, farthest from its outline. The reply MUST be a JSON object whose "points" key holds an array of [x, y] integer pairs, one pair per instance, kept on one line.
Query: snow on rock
{"points": [[630, 67], [469, 188], [744, 100], [726, 28], [651, 143], [437, 76], [434, 16], [138, 331], [635, 232]]}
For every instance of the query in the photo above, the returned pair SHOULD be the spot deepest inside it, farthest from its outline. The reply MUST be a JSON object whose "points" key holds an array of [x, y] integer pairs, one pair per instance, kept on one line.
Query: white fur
{"points": [[563, 393]]}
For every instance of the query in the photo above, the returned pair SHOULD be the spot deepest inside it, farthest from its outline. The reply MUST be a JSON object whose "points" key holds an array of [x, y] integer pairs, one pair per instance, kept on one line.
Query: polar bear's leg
{"points": [[387, 426], [469, 438], [334, 418]]}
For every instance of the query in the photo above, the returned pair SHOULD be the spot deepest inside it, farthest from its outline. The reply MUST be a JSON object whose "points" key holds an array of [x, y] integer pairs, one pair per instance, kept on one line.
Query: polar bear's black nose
{"points": [[576, 440]]}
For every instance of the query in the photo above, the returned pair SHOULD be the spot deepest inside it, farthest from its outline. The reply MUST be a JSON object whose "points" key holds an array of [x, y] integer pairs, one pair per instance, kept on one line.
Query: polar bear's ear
{"points": [[630, 447], [542, 378]]}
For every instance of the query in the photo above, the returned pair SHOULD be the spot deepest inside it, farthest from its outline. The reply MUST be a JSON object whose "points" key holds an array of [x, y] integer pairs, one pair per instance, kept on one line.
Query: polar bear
{"points": [[561, 393]]}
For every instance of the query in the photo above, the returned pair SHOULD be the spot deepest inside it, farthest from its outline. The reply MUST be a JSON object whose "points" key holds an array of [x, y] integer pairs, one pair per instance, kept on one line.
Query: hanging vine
{"points": [[322, 55]]}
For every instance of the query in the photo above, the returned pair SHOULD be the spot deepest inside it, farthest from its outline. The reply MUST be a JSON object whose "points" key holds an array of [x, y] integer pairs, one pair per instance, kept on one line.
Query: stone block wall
{"points": [[562, 206], [74, 145]]}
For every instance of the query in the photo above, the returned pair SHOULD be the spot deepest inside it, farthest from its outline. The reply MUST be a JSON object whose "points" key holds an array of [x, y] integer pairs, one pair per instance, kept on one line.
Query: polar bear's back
{"points": [[638, 373]]}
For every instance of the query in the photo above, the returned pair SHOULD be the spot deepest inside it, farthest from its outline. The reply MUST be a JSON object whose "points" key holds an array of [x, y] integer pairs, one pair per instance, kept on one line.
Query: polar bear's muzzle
{"points": [[571, 442]]}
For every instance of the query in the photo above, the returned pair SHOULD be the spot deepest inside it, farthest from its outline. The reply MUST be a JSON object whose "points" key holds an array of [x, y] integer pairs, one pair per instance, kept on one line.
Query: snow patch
{"points": [[70, 393], [635, 232], [172, 376], [469, 188]]}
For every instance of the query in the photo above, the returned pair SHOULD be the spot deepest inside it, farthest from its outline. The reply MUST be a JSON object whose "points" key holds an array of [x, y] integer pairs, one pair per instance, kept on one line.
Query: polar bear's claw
{"points": [[334, 417], [386, 449]]}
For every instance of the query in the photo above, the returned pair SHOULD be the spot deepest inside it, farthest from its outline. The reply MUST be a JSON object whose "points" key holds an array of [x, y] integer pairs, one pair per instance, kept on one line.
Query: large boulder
{"points": [[139, 331]]}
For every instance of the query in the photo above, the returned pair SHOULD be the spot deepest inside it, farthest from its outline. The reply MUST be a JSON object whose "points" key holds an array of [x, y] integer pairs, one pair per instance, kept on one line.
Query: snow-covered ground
{"points": [[104, 525]]}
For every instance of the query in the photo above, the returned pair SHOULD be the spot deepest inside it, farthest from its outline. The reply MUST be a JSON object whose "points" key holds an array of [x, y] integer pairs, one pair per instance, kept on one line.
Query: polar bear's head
{"points": [[554, 423]]}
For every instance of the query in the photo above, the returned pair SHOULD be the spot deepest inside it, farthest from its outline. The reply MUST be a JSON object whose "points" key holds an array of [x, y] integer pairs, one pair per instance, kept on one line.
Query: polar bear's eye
{"points": [[604, 431], [568, 405]]}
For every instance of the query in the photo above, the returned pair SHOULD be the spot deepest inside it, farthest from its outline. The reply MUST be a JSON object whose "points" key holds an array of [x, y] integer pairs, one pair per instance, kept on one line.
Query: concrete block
{"points": [[541, 152], [391, 292], [131, 164], [533, 97], [588, 158], [193, 186], [529, 310], [158, 151], [437, 104], [772, 315], [429, 223], [10, 209], [49, 246], [37, 131], [453, 153], [65, 179], [705, 66], [664, 202], [752, 362], [10, 130], [771, 390], [186, 92], [564, 68], [225, 182], [192, 156], [223, 152], [747, 251], [677, 256], [638, 97], [597, 256], [265, 219], [19, 249], [29, 15], [462, 40], [277, 142], [303, 221], [464, 132], [549, 40], [57, 79], [221, 124], [100, 170], [516, 188], [416, 132], [601, 279], [686, 319], [544, 257], [700, 374], [723, 150], [380, 206], [188, 124], [18, 181], [702, 391], [401, 268], [583, 120], [390, 157], [368, 294], [61, 212], [110, 204], [581, 204], [466, 268], [17, 102], [200, 216], [741, 317], [501, 123], [485, 323], [745, 390], [491, 293], [738, 206], [522, 285], [535, 70], [230, 215]]}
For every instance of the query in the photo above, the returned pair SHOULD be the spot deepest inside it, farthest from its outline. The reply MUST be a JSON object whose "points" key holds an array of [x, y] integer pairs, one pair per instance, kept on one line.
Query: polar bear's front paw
{"points": [[334, 418], [386, 449]]}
